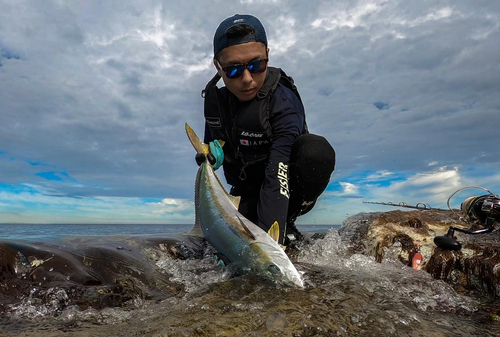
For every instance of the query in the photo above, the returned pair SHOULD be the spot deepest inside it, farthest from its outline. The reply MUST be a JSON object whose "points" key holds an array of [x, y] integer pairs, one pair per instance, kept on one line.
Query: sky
{"points": [[94, 96]]}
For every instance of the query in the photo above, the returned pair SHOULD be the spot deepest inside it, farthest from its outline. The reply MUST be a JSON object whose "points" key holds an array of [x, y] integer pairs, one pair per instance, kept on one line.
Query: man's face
{"points": [[246, 87]]}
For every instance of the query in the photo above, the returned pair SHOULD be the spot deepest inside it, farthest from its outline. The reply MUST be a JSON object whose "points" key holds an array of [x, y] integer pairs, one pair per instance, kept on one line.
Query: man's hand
{"points": [[215, 157], [200, 158], [218, 154]]}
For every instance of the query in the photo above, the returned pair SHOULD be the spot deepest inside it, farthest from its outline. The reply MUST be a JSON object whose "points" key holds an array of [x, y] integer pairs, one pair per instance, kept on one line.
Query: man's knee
{"points": [[312, 159], [311, 165]]}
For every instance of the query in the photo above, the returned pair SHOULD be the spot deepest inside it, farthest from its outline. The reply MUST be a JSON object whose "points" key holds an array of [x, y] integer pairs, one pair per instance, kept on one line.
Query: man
{"points": [[269, 158]]}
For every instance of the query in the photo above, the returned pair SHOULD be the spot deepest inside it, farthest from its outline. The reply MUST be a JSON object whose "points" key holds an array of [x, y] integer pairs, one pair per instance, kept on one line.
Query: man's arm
{"points": [[288, 125]]}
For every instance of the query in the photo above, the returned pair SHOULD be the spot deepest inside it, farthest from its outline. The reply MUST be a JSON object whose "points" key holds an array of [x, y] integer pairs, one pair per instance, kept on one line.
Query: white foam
{"points": [[194, 273], [389, 277]]}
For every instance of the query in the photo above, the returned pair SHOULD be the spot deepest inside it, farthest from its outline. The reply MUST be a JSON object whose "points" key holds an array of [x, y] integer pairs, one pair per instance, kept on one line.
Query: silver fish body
{"points": [[243, 243]]}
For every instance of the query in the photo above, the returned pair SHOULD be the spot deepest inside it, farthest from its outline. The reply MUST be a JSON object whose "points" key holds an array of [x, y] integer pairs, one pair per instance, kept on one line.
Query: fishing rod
{"points": [[480, 210], [421, 206]]}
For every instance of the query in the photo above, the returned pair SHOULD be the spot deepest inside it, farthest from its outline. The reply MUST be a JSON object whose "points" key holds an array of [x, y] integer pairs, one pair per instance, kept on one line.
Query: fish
{"points": [[244, 244]]}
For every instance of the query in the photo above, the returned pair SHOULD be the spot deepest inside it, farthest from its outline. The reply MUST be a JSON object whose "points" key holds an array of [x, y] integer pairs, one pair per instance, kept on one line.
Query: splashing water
{"points": [[406, 296], [346, 294], [40, 303], [193, 273]]}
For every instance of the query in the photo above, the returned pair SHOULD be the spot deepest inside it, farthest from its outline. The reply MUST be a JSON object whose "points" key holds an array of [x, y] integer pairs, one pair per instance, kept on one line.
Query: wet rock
{"points": [[276, 322], [393, 235], [43, 278], [7, 263]]}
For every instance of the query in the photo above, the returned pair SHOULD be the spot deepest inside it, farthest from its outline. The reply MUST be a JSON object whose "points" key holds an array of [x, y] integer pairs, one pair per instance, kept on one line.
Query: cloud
{"points": [[287, 35], [437, 185], [377, 176], [432, 188], [349, 188], [34, 204], [95, 96], [171, 206], [339, 17]]}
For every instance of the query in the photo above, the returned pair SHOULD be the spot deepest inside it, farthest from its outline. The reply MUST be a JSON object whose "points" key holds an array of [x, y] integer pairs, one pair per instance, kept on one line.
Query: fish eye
{"points": [[273, 269]]}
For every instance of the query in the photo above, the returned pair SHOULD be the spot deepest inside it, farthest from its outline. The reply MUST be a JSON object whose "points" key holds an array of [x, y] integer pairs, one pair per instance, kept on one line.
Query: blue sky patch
{"points": [[381, 105], [53, 176], [16, 189], [7, 188], [37, 163], [334, 187], [8, 55]]}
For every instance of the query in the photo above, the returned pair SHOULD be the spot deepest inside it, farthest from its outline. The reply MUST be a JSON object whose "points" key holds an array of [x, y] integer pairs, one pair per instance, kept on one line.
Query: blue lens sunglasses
{"points": [[236, 70]]}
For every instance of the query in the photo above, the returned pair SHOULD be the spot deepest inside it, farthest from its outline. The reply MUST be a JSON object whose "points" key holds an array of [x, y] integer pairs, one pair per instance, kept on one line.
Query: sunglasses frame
{"points": [[245, 66]]}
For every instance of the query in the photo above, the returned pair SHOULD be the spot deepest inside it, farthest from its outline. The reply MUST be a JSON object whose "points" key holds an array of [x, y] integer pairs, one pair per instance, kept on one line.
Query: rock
{"points": [[393, 235], [90, 272], [276, 322]]}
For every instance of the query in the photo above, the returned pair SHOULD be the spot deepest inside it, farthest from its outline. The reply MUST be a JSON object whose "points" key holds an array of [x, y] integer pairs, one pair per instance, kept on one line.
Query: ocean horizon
{"points": [[30, 231]]}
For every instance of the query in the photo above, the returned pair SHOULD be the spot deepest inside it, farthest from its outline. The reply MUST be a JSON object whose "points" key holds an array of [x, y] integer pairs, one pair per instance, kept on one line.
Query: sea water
{"points": [[345, 294], [40, 231]]}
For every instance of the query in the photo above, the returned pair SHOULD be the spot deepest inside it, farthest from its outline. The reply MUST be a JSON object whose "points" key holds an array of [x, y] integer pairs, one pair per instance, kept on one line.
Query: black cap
{"points": [[221, 40]]}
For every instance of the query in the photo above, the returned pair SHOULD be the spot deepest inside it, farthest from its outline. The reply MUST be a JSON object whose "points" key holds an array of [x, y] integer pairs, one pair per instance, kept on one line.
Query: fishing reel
{"points": [[483, 211]]}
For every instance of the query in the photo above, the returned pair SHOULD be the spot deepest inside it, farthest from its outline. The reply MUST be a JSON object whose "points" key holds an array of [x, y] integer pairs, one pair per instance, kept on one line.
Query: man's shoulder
{"points": [[285, 91], [283, 99]]}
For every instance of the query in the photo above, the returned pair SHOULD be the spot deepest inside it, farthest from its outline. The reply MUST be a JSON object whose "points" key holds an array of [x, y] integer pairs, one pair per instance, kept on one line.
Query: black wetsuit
{"points": [[283, 149]]}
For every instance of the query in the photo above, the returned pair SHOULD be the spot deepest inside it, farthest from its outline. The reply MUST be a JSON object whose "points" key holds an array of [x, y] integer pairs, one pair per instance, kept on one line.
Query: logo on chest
{"points": [[214, 121], [252, 134], [250, 142], [253, 139]]}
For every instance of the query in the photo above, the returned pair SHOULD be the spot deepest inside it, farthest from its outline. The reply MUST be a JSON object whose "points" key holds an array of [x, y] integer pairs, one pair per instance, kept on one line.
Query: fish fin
{"points": [[221, 142], [196, 231], [198, 145], [235, 200], [245, 227], [274, 231]]}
